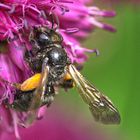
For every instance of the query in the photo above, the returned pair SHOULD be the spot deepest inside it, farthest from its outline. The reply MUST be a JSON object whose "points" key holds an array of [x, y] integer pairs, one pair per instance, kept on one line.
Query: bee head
{"points": [[43, 37]]}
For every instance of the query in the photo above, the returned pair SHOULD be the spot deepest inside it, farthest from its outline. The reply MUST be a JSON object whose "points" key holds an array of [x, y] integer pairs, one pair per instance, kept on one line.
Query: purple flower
{"points": [[56, 127], [17, 19]]}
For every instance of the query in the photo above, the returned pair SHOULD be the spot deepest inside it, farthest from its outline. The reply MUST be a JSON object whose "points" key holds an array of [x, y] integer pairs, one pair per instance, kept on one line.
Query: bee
{"points": [[52, 68]]}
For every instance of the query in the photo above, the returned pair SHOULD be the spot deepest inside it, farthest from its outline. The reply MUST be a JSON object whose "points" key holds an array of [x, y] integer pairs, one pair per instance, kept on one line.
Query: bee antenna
{"points": [[57, 22], [52, 20], [53, 16]]}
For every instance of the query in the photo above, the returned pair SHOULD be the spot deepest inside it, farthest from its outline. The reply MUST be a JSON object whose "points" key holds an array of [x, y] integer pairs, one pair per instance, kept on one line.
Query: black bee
{"points": [[49, 58]]}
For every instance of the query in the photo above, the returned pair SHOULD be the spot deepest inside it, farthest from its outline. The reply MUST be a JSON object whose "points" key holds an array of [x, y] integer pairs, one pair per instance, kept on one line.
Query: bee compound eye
{"points": [[43, 39]]}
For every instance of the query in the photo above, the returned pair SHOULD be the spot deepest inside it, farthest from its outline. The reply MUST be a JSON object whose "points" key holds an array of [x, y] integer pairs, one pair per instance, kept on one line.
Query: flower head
{"points": [[55, 127], [72, 19]]}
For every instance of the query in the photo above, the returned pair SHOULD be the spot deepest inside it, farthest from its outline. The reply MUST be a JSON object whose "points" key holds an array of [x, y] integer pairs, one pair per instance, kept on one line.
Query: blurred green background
{"points": [[115, 72]]}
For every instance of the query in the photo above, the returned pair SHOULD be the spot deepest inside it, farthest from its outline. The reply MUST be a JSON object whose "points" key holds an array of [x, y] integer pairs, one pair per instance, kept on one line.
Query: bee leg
{"points": [[48, 100], [15, 85], [67, 82], [6, 103], [28, 56], [49, 95], [39, 93]]}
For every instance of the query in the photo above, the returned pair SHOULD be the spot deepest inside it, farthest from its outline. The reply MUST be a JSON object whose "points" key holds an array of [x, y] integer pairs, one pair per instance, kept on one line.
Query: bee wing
{"points": [[37, 96], [100, 106], [40, 90]]}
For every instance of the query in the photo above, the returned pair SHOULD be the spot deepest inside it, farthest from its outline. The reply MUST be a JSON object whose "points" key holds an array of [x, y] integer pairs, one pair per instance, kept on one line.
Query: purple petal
{"points": [[9, 70]]}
